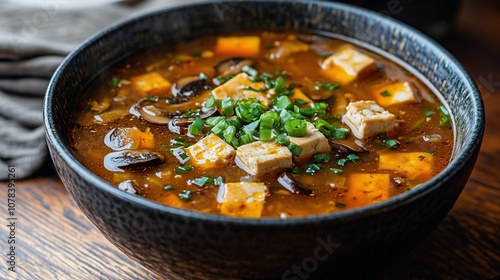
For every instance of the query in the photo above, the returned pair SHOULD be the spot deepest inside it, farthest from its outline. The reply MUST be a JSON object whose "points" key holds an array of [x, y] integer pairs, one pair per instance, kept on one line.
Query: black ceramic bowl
{"points": [[188, 245]]}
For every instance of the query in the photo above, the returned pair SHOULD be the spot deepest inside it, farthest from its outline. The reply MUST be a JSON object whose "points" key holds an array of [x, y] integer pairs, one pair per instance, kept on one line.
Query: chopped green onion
{"points": [[168, 187], [184, 195], [213, 121], [285, 116], [429, 152], [269, 47], [251, 127], [211, 102], [150, 99], [341, 133], [180, 154], [196, 126], [322, 158], [229, 133], [428, 113], [279, 84], [391, 143], [312, 168], [294, 149], [296, 128], [202, 181], [250, 71], [336, 170], [284, 102], [421, 157], [178, 142], [282, 139], [294, 170], [381, 136], [115, 81], [385, 93], [246, 138], [340, 204], [183, 168], [308, 112], [219, 181], [196, 54], [350, 157], [219, 128], [227, 107], [445, 116], [328, 86], [300, 101], [254, 89], [266, 127]]}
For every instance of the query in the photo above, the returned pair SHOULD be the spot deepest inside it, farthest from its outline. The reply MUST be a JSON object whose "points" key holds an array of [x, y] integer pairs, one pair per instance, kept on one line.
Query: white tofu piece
{"points": [[313, 143], [259, 157], [242, 199], [396, 93], [366, 118], [414, 165], [238, 88], [210, 152], [347, 64]]}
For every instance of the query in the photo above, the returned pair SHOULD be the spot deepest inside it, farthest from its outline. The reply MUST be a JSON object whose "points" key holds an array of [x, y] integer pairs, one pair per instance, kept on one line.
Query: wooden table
{"points": [[54, 240]]}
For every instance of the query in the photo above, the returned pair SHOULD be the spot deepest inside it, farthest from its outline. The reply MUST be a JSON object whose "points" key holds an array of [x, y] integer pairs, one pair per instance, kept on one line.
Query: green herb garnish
{"points": [[183, 168], [184, 195]]}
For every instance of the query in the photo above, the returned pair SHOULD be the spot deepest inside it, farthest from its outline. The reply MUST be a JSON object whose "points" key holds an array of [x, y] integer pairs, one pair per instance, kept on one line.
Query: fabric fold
{"points": [[33, 42]]}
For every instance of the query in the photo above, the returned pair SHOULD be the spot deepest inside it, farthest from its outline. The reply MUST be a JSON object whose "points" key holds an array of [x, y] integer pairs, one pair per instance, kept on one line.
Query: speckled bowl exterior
{"points": [[182, 244]]}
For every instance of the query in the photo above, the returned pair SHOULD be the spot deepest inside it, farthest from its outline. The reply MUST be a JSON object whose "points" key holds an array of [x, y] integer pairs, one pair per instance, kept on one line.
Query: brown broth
{"points": [[330, 191]]}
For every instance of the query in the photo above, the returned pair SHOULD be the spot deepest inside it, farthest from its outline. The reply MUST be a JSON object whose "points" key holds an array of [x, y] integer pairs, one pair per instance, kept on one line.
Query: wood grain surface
{"points": [[54, 240]]}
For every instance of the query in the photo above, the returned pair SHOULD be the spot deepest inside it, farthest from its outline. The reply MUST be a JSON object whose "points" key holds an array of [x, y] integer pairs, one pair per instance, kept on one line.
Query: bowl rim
{"points": [[457, 162]]}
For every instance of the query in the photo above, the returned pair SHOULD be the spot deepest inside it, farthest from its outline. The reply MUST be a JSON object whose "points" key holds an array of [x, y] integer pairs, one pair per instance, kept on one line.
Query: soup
{"points": [[268, 124]]}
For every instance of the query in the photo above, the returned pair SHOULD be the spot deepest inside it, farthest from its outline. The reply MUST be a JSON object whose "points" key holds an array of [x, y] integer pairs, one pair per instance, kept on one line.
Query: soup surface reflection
{"points": [[262, 125]]}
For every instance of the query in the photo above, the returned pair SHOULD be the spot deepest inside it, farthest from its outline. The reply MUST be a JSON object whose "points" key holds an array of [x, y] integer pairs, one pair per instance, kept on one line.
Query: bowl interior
{"points": [[193, 20]]}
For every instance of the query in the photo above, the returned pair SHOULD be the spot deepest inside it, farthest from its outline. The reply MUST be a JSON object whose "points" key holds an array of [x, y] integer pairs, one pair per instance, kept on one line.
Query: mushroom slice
{"points": [[290, 183], [185, 121], [162, 111], [132, 159], [344, 146], [188, 87], [232, 66]]}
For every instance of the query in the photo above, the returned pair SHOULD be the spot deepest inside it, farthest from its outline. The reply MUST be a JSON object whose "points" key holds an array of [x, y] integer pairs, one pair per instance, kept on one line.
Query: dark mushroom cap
{"points": [[188, 87], [132, 159], [232, 66], [291, 184]]}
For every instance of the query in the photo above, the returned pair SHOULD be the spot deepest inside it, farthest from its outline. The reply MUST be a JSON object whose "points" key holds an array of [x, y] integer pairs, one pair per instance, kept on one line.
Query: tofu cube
{"points": [[239, 88], [150, 84], [211, 152], [242, 199], [347, 65], [367, 118], [414, 165], [313, 143], [259, 157], [366, 188], [396, 93]]}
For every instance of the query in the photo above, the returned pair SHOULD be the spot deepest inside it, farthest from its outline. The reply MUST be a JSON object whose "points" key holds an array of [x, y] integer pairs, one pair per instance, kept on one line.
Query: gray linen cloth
{"points": [[33, 42]]}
